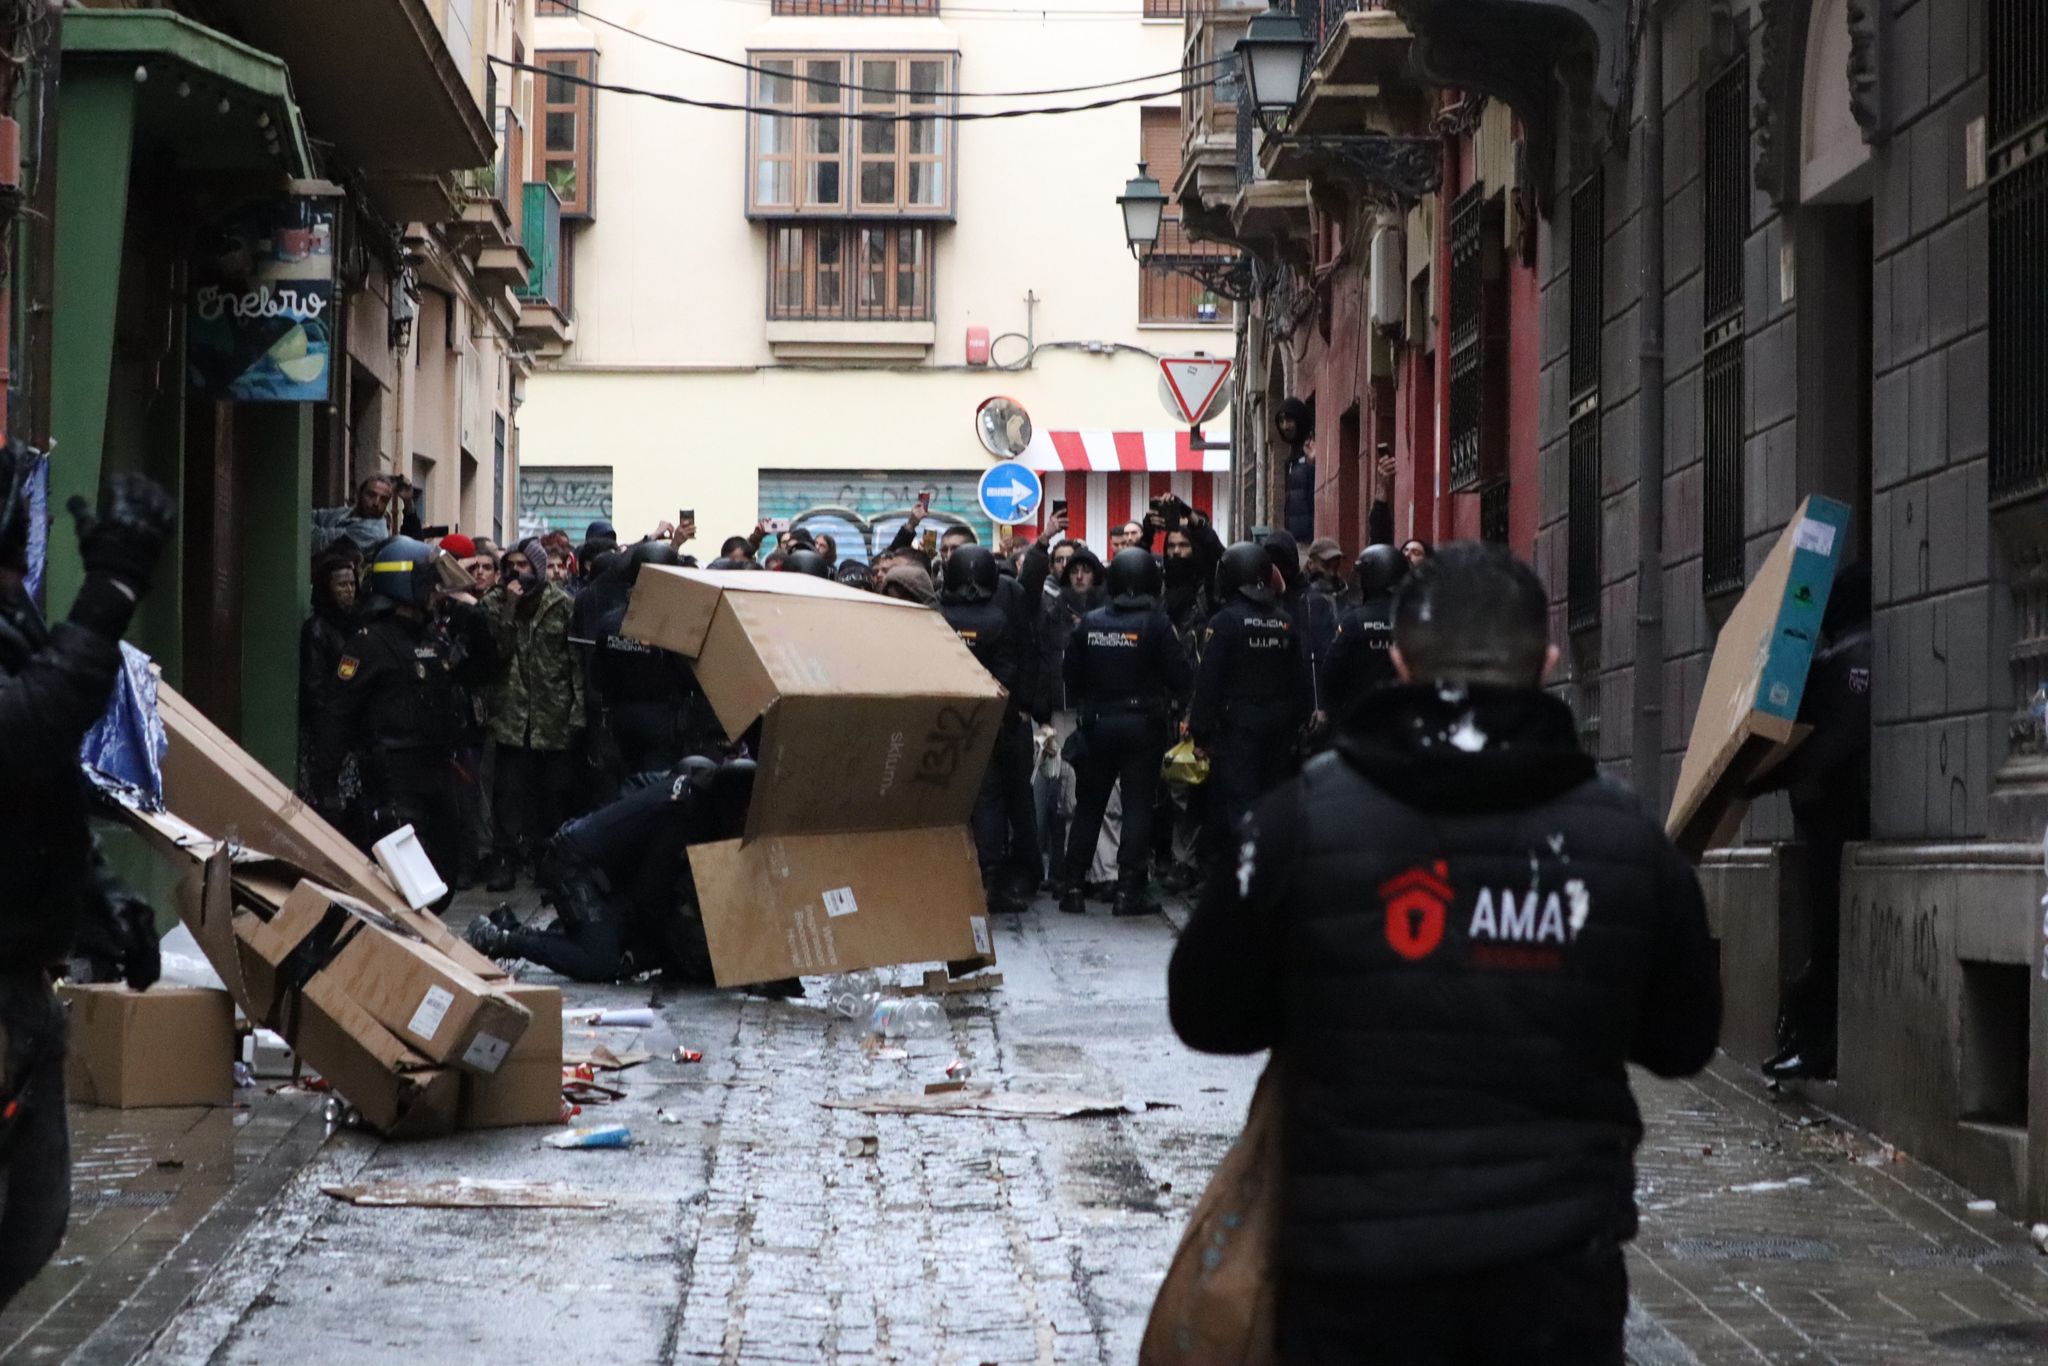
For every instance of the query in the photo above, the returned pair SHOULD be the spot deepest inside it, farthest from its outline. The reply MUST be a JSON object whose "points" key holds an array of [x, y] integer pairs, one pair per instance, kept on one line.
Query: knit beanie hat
{"points": [[458, 545]]}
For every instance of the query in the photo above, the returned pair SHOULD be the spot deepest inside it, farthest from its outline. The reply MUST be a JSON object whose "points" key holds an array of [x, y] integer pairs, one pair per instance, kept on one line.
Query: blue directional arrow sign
{"points": [[1010, 492]]}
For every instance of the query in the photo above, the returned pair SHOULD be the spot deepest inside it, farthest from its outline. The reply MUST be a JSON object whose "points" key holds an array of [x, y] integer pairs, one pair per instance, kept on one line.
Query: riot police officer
{"points": [[646, 704], [619, 880], [397, 699], [1127, 677], [994, 617], [1253, 693], [54, 684], [804, 560], [1361, 657]]}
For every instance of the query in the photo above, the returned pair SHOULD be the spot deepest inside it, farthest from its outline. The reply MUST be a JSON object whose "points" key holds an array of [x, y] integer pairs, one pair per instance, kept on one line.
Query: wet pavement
{"points": [[760, 1226]]}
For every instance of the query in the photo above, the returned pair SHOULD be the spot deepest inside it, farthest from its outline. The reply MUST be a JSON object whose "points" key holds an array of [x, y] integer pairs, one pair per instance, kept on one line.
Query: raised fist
{"points": [[124, 538]]}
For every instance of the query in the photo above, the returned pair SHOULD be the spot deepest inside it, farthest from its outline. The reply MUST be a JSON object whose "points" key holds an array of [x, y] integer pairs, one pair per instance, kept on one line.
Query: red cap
{"points": [[458, 545]]}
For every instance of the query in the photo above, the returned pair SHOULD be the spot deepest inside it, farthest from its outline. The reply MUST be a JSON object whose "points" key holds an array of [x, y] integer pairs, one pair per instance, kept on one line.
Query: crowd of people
{"points": [[485, 695]]}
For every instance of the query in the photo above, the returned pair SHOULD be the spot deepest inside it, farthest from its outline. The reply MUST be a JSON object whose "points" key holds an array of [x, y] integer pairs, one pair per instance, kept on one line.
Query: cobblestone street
{"points": [[757, 1228]]}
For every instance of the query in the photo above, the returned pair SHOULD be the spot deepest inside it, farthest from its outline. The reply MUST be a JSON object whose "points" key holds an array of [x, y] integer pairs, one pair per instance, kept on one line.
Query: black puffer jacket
{"points": [[1458, 936]]}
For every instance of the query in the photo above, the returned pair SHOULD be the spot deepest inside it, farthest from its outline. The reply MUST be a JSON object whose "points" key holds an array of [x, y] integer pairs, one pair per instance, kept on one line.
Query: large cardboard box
{"points": [[164, 1046], [214, 786], [1749, 708], [438, 1009], [875, 726], [527, 1087]]}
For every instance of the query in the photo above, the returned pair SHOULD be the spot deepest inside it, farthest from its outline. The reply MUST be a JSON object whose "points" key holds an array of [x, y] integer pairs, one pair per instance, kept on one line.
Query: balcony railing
{"points": [[1325, 17], [1165, 296], [1247, 136], [543, 215]]}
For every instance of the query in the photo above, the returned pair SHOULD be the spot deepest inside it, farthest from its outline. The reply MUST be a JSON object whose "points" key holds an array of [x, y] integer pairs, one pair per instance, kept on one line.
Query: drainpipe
{"points": [[1648, 737]]}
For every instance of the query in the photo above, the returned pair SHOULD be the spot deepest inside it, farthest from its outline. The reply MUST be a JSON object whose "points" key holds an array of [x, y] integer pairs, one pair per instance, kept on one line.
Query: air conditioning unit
{"points": [[1388, 306]]}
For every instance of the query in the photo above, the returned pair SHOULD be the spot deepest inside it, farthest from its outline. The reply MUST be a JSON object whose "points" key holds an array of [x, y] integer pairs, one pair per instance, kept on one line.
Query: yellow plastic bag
{"points": [[1182, 765]]}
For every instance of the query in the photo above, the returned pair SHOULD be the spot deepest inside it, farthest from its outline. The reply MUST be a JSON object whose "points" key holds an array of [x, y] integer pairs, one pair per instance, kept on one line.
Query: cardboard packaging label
{"points": [[1749, 707], [164, 1046]]}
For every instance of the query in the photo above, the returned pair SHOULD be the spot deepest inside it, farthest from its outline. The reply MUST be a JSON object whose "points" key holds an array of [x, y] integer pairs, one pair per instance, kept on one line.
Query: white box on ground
{"points": [[405, 862]]}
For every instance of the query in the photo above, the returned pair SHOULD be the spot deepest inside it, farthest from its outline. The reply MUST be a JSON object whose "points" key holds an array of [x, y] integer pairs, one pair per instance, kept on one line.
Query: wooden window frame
{"points": [[797, 255], [581, 157], [857, 136]]}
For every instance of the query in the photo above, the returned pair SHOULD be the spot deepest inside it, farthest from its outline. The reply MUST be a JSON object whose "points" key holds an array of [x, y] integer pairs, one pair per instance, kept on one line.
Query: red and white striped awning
{"points": [[1162, 450]]}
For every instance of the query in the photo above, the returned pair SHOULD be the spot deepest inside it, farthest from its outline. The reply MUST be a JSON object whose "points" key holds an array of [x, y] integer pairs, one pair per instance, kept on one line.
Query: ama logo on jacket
{"points": [[1416, 901]]}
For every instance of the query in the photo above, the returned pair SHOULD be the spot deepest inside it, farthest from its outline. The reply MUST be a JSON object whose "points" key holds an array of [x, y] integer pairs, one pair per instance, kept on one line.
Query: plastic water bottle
{"points": [[852, 995], [918, 1017]]}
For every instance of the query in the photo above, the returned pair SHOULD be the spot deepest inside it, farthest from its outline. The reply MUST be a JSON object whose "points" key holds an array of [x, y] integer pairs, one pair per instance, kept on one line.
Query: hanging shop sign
{"points": [[261, 322]]}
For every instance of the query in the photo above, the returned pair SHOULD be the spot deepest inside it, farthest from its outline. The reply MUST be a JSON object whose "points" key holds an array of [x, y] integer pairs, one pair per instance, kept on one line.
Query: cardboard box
{"points": [[527, 1087], [213, 785], [876, 725], [164, 1046], [398, 1092], [801, 905], [441, 1011], [874, 715], [1748, 713]]}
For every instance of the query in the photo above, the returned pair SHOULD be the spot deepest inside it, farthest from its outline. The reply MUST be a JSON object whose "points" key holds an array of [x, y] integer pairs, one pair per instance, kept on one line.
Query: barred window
{"points": [[1582, 363], [861, 272], [2017, 136], [1478, 352], [1726, 225]]}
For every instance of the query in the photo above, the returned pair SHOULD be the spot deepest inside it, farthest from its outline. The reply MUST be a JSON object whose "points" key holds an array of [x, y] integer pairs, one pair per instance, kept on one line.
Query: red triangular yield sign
{"points": [[1195, 382]]}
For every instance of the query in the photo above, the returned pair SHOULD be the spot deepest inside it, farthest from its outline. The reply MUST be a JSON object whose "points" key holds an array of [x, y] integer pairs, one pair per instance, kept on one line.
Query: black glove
{"points": [[124, 538], [117, 937]]}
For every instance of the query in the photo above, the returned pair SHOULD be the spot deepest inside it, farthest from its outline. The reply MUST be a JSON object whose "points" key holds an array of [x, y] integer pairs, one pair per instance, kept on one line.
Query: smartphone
{"points": [[931, 542], [686, 515], [778, 525], [924, 502], [1059, 507]]}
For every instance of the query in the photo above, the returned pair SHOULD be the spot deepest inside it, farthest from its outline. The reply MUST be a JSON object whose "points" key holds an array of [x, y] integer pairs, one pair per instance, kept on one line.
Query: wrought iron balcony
{"points": [[1211, 162]]}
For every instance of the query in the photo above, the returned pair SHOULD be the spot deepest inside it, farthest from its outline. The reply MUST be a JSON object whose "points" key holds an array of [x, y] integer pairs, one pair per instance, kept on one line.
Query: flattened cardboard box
{"points": [[800, 905], [438, 1009], [213, 785], [527, 1087], [1748, 711], [164, 1046]]}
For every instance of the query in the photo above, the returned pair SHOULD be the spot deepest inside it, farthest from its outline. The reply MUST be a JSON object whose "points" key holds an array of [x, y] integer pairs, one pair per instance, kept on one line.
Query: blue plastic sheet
{"points": [[123, 753], [38, 486]]}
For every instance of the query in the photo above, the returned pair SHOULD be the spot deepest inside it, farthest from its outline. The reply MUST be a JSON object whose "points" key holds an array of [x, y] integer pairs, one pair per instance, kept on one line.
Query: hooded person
{"points": [[994, 618], [1314, 614], [910, 583], [1296, 422], [1828, 780], [1460, 937], [1252, 694], [1129, 679], [55, 683]]}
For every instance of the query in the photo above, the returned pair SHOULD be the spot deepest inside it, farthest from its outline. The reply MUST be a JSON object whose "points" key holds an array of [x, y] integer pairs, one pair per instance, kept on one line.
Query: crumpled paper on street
{"points": [[992, 1104]]}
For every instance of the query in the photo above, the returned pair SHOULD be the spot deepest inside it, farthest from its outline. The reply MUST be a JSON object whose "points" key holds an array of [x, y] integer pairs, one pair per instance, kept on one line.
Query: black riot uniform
{"points": [[619, 879], [398, 700], [1128, 678], [54, 684], [1361, 658], [995, 617], [1252, 696], [646, 704]]}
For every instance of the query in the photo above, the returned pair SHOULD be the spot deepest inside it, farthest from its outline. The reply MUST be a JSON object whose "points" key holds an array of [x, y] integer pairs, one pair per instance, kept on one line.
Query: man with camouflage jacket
{"points": [[535, 710]]}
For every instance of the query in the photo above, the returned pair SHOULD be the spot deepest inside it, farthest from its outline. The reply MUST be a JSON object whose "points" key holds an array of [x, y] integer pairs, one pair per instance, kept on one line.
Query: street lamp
{"points": [[1144, 205], [1273, 60]]}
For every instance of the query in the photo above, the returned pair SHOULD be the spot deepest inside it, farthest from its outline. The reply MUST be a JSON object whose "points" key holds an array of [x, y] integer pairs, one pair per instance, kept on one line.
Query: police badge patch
{"points": [[349, 665]]}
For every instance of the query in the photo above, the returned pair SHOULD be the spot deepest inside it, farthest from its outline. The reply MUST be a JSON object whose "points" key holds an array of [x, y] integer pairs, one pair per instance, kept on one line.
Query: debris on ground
{"points": [[867, 1145], [666, 1117], [991, 1104], [689, 1055], [1983, 1207], [638, 1017], [603, 1136], [464, 1193], [605, 1059]]}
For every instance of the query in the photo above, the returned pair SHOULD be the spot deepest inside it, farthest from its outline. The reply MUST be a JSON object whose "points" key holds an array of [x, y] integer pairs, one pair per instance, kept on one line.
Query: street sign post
{"points": [[1010, 492], [1195, 384]]}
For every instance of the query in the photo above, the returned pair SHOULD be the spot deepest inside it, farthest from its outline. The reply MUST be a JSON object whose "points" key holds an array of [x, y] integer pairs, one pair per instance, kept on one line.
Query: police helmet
{"points": [[807, 562], [646, 553], [402, 570], [1247, 571], [1134, 578], [971, 575], [1379, 569]]}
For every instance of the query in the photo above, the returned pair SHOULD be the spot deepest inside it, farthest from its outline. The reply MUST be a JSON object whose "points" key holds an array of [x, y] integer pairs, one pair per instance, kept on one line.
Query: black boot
{"points": [[1071, 900], [1134, 897], [502, 916], [489, 938], [501, 876]]}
